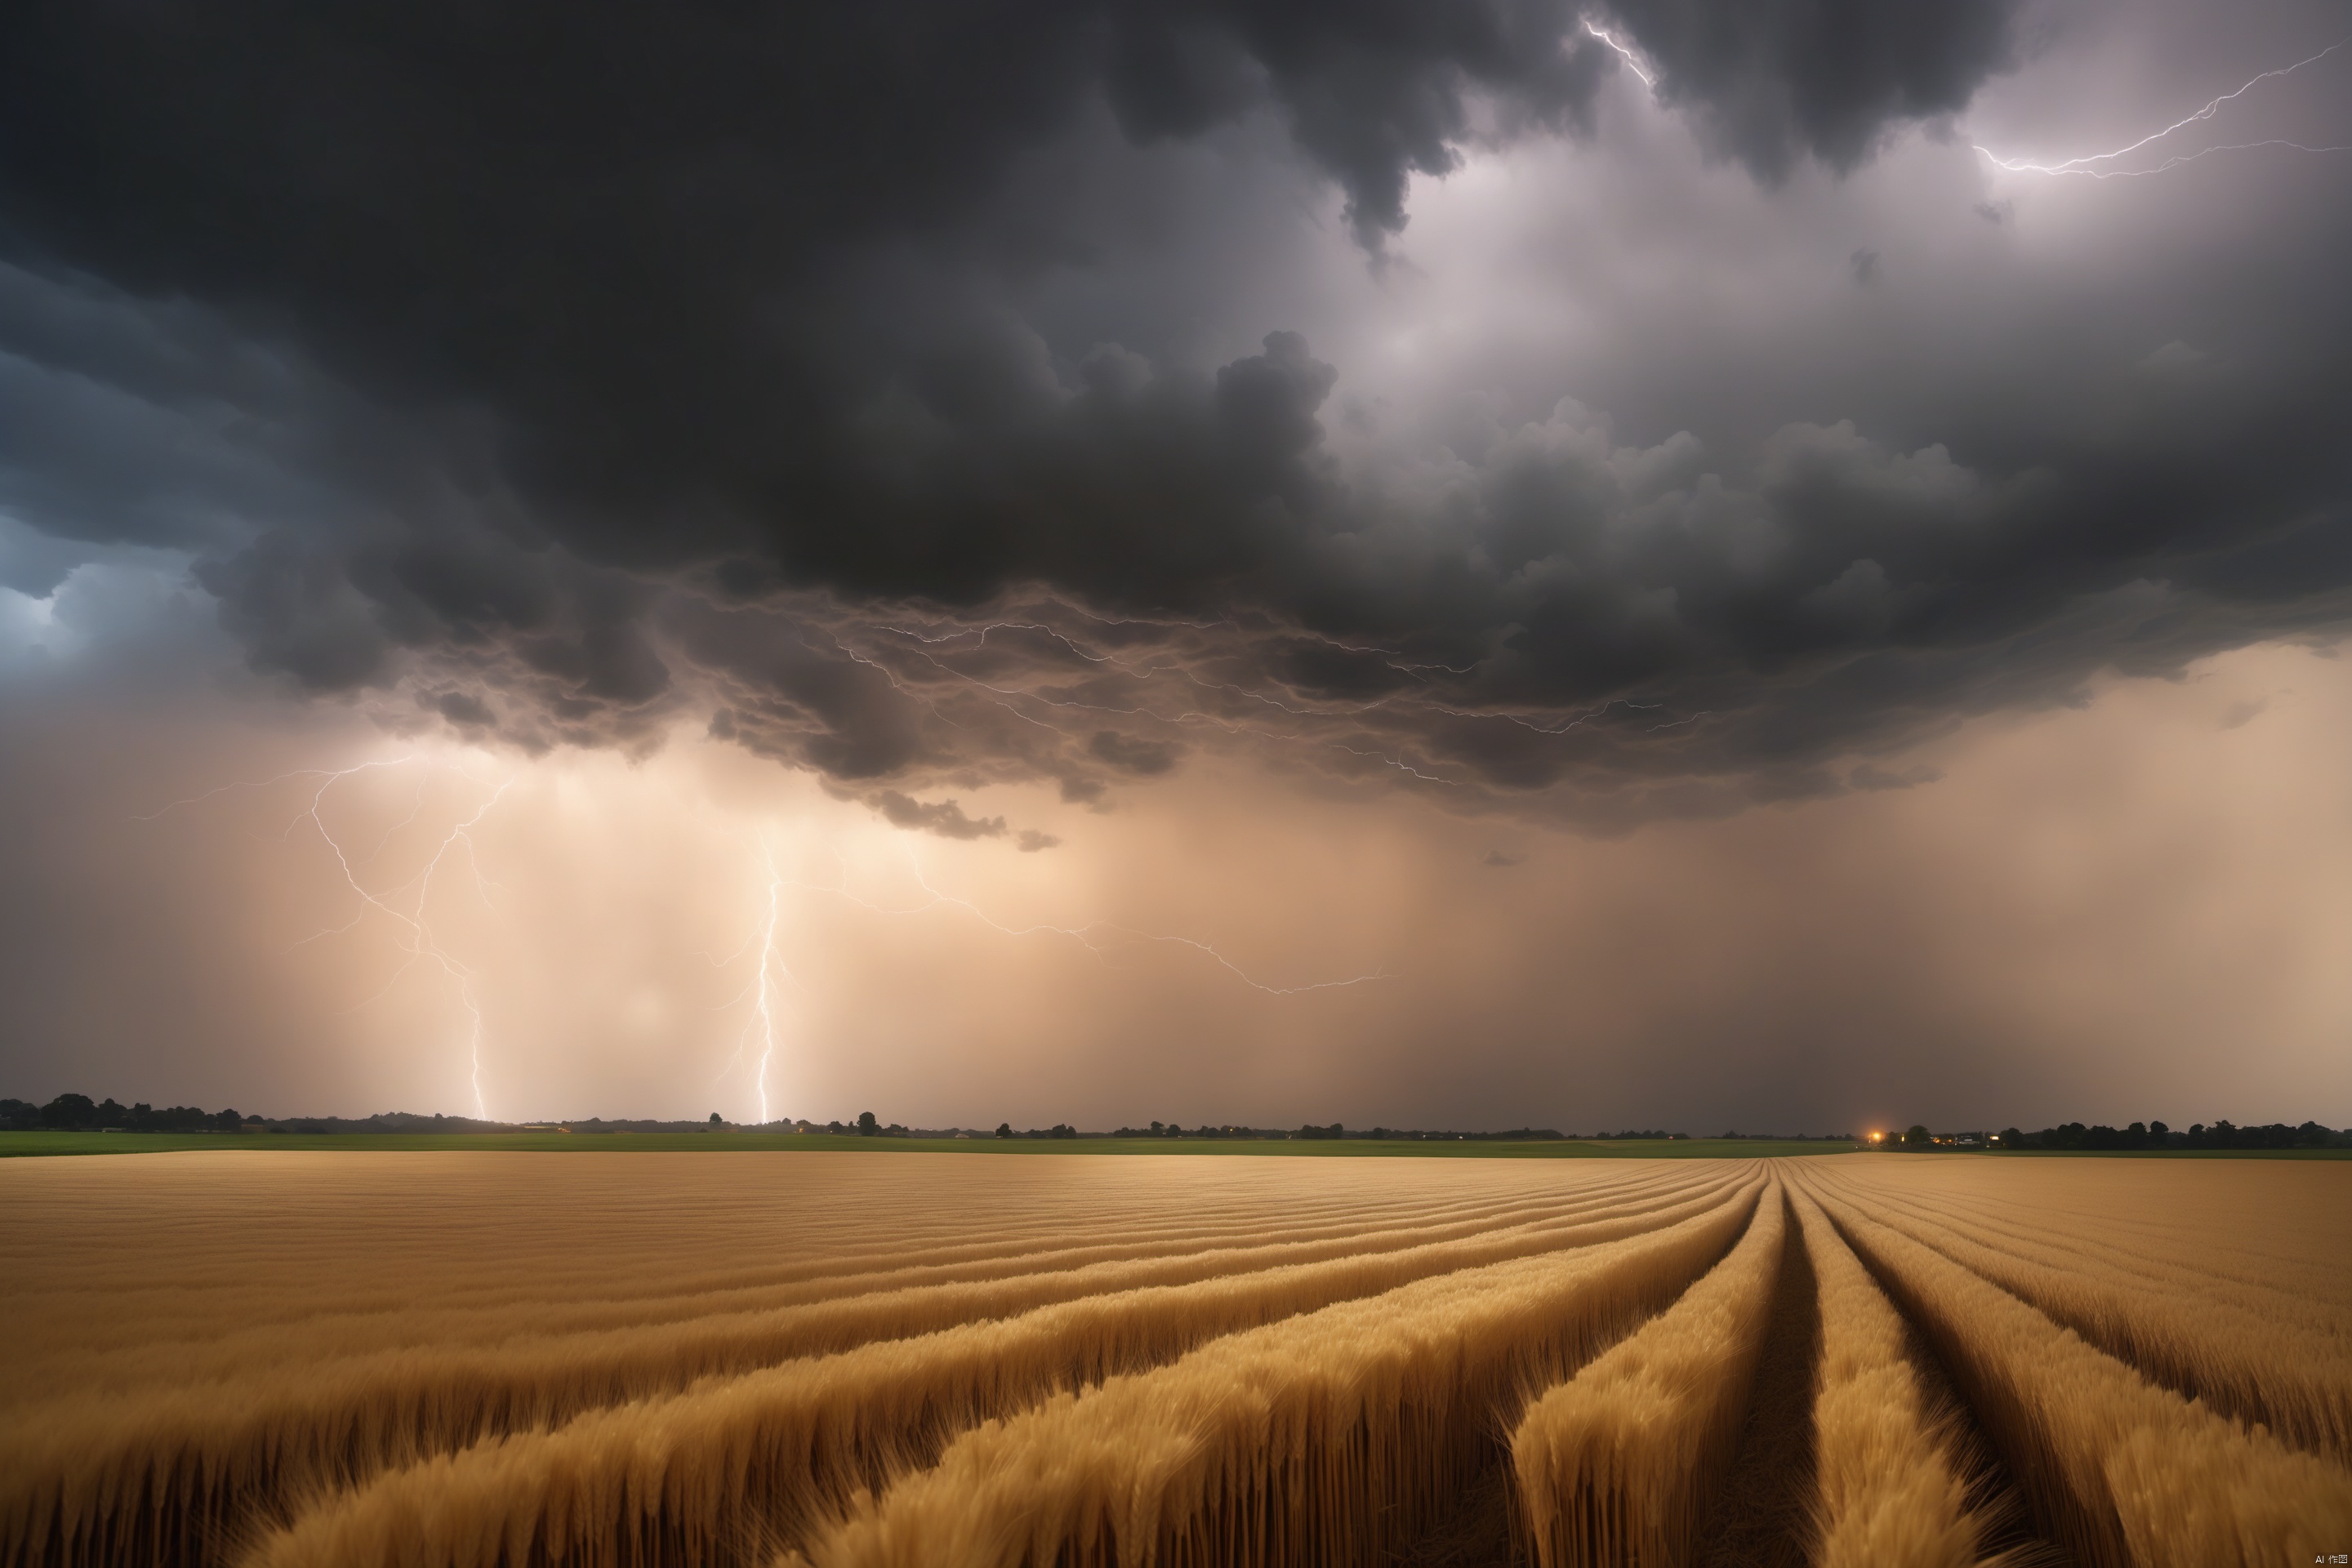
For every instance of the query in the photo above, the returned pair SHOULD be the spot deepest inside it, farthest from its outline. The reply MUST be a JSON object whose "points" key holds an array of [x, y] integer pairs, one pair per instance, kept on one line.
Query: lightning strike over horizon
{"points": [[763, 1010], [420, 943], [2084, 166]]}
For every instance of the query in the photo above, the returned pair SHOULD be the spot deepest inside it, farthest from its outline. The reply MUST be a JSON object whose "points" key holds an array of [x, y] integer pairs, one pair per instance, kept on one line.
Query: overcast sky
{"points": [[1677, 563]]}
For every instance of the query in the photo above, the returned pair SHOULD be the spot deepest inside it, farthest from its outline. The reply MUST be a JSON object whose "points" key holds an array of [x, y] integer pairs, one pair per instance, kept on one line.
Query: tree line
{"points": [[2138, 1135], [79, 1113], [1334, 1130], [2197, 1135]]}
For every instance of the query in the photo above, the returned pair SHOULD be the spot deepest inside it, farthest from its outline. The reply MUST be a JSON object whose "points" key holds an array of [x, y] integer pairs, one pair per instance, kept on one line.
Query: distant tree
{"points": [[1004, 1129], [69, 1111], [866, 1126], [1916, 1137], [2158, 1130], [228, 1121], [714, 1119]]}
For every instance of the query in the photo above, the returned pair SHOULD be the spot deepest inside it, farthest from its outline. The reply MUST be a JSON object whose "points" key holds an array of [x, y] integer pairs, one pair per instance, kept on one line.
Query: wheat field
{"points": [[815, 1360]]}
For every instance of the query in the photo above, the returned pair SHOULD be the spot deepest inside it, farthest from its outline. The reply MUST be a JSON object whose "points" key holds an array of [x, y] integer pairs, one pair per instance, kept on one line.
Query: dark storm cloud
{"points": [[1776, 82], [1132, 755], [707, 268], [944, 817], [572, 368]]}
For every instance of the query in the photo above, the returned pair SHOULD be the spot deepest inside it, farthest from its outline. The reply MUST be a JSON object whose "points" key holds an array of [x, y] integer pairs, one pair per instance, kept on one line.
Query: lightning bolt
{"points": [[761, 1024], [326, 773], [418, 940], [1624, 53], [763, 1012], [2086, 166]]}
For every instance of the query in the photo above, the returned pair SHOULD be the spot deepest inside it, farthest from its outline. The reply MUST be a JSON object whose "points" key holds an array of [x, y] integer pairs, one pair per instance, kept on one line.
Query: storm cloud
{"points": [[567, 371]]}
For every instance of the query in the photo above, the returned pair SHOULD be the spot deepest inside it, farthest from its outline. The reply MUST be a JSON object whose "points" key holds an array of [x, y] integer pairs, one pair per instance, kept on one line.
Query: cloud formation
{"points": [[944, 817], [566, 372]]}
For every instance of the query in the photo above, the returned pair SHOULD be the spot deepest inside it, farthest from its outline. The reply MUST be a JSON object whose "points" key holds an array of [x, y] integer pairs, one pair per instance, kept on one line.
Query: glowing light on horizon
{"points": [[2085, 165]]}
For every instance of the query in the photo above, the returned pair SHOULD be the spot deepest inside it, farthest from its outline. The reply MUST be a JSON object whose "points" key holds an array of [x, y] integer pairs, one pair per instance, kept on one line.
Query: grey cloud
{"points": [[597, 440], [1623, 630], [768, 304], [944, 817], [33, 562], [297, 612], [1132, 755], [1374, 94], [1602, 632], [465, 710], [573, 643], [781, 697], [1781, 80]]}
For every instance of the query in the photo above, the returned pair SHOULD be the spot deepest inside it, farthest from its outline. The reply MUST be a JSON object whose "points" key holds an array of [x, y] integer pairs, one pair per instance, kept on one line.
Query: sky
{"points": [[1676, 564]]}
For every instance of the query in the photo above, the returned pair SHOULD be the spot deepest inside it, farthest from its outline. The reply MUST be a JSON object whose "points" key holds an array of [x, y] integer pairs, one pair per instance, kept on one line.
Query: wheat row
{"points": [[193, 1467], [1087, 1362], [2224, 1335]]}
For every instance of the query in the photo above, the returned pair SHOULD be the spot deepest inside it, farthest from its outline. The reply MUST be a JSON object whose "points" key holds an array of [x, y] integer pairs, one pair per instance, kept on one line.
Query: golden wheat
{"points": [[2262, 1353], [1319, 1439], [1888, 1494], [159, 1472], [678, 1342], [2126, 1472], [677, 1480], [441, 1274], [436, 1360], [1615, 1464]]}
